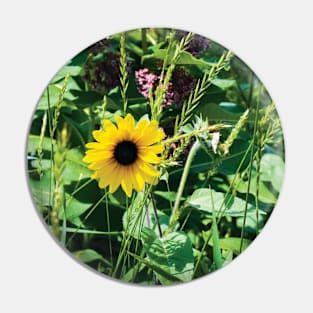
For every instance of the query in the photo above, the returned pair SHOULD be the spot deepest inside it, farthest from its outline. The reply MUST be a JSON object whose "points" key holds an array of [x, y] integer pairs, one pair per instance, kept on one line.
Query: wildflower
{"points": [[124, 154], [182, 85], [215, 140], [147, 81], [197, 45], [102, 68], [178, 90], [100, 46]]}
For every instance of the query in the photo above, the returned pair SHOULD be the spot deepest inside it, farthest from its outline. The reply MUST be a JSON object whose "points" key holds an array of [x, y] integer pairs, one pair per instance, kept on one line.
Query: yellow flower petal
{"points": [[154, 149], [116, 179], [127, 186], [149, 157], [112, 166], [150, 136]]}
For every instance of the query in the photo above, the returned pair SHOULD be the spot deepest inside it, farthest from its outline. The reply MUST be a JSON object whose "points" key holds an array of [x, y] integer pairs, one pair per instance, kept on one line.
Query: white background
{"points": [[274, 38]]}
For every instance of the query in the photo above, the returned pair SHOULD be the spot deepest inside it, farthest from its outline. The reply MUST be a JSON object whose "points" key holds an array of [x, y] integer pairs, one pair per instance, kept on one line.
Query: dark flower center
{"points": [[125, 152]]}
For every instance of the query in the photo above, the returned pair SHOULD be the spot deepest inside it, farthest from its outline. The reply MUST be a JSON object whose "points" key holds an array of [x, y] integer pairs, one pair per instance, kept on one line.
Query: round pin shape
{"points": [[155, 156]]}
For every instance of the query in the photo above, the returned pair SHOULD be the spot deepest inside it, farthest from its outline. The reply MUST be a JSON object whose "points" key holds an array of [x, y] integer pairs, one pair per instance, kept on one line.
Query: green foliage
{"points": [[220, 175], [228, 205], [173, 253]]}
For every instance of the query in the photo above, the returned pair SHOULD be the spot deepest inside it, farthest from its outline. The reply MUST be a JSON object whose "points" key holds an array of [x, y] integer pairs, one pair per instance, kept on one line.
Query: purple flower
{"points": [[100, 46], [178, 90], [197, 45], [147, 81], [182, 85], [104, 74]]}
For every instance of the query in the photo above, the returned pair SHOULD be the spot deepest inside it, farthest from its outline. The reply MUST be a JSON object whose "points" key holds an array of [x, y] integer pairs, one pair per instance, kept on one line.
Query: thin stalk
{"points": [[191, 155], [195, 133], [249, 179], [127, 238], [87, 216], [108, 226], [246, 203], [92, 232], [51, 143], [123, 71], [258, 168], [220, 212], [92, 123], [156, 215]]}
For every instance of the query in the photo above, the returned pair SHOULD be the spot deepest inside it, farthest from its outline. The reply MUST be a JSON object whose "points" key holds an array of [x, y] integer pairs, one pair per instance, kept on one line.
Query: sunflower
{"points": [[125, 153]]}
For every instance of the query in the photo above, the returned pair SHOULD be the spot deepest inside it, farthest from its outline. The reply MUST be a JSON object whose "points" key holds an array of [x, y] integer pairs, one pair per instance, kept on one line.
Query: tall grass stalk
{"points": [[123, 72], [201, 87], [169, 64], [58, 105], [40, 145], [127, 238], [58, 169], [91, 210], [176, 212]]}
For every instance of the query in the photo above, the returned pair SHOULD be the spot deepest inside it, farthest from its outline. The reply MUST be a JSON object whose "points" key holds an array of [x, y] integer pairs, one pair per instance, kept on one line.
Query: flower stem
{"points": [[191, 155]]}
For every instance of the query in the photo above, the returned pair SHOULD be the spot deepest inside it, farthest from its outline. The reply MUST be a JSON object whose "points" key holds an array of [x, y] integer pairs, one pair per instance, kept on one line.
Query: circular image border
{"points": [[155, 156]]}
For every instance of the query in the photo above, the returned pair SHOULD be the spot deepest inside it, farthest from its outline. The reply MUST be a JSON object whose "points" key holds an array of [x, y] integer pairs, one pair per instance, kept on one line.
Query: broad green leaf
{"points": [[231, 206], [49, 97], [231, 107], [272, 170], [230, 164], [135, 217], [217, 257], [232, 243], [215, 112], [75, 169], [67, 69], [74, 208], [40, 189], [173, 253], [89, 255], [85, 99], [33, 142], [223, 83], [186, 58], [264, 193], [159, 270], [168, 195]]}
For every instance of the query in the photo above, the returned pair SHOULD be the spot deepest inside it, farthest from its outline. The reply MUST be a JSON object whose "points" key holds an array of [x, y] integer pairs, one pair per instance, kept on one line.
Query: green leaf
{"points": [[74, 208], [33, 142], [54, 92], [272, 170], [265, 195], [67, 69], [215, 113], [89, 255], [168, 195], [231, 206], [86, 98], [173, 254], [75, 169], [185, 58], [231, 163], [134, 218], [223, 83], [232, 243], [217, 257], [41, 190], [157, 269], [231, 107]]}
